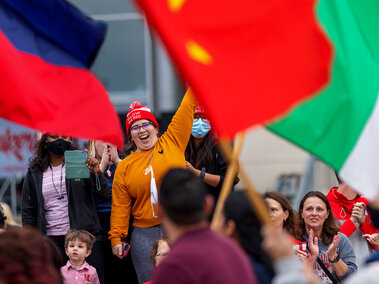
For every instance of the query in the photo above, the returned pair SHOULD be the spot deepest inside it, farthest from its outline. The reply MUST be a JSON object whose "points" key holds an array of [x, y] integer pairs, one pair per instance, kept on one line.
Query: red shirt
{"points": [[342, 207]]}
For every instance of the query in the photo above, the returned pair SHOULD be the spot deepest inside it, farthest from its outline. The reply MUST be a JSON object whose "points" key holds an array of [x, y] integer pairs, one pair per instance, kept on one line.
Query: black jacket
{"points": [[81, 204], [217, 166]]}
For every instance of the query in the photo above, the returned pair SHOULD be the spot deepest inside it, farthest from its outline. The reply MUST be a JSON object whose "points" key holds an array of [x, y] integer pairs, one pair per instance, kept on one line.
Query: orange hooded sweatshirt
{"points": [[132, 180]]}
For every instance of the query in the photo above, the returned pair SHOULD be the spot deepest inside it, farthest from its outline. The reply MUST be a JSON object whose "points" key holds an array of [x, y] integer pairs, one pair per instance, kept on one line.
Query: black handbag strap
{"points": [[327, 272]]}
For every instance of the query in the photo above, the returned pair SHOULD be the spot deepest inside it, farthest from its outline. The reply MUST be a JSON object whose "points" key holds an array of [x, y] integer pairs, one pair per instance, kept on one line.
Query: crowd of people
{"points": [[143, 217]]}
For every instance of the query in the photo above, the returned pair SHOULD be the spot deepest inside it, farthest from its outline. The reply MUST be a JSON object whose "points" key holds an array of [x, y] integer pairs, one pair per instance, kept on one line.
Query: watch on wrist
{"points": [[336, 259], [202, 173]]}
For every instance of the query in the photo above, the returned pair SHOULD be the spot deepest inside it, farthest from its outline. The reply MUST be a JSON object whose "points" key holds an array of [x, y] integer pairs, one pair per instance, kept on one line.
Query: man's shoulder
{"points": [[207, 248], [206, 253], [204, 238]]}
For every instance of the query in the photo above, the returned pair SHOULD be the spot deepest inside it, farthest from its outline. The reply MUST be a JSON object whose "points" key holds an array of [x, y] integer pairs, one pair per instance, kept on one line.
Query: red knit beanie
{"points": [[137, 112], [199, 110]]}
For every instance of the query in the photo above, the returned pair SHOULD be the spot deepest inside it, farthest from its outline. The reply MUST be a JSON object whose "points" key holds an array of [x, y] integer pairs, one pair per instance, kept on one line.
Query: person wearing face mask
{"points": [[53, 204], [202, 155]]}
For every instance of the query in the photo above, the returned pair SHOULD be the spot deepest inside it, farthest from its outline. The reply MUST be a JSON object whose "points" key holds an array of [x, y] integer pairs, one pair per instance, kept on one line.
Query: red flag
{"points": [[248, 61], [45, 83]]}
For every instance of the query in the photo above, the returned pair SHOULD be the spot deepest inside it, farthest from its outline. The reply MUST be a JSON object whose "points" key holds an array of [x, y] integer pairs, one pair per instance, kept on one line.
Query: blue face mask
{"points": [[200, 128]]}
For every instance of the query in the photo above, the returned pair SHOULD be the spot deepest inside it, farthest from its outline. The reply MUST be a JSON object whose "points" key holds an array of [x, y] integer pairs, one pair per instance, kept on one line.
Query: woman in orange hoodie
{"points": [[138, 178]]}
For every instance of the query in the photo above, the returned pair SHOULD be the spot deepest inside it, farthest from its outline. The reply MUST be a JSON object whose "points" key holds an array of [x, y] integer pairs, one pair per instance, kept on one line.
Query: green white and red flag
{"points": [[341, 124], [254, 62]]}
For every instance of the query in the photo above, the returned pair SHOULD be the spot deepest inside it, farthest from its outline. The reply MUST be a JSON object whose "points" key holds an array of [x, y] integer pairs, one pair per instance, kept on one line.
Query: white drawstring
{"points": [[153, 192], [342, 213]]}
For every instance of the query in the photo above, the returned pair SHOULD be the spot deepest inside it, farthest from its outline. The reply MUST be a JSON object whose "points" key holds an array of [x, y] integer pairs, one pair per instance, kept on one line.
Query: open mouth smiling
{"points": [[144, 137]]}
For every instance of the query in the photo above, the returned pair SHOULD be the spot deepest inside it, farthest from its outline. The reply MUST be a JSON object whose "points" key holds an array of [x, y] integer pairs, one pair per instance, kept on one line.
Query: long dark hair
{"points": [[290, 223], [330, 227], [201, 157], [238, 209], [41, 157]]}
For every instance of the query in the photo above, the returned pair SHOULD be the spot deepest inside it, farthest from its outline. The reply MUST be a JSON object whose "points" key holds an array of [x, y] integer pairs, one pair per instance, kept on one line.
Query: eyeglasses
{"points": [[137, 128]]}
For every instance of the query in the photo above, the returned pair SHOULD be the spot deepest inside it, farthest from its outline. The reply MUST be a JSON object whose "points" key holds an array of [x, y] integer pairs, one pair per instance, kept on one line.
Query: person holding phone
{"points": [[54, 204], [138, 178]]}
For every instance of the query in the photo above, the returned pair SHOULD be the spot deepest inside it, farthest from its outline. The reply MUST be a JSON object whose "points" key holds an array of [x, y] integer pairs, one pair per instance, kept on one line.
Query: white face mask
{"points": [[153, 192]]}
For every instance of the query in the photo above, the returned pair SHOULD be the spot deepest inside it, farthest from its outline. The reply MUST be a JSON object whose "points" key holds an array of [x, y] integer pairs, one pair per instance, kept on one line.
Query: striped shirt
{"points": [[56, 207]]}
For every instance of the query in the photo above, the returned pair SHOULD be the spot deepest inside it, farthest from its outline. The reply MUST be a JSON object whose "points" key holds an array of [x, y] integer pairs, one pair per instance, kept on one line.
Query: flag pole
{"points": [[253, 196], [232, 157]]}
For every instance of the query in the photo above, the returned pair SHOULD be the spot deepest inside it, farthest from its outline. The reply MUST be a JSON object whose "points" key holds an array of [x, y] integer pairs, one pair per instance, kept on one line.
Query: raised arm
{"points": [[179, 130]]}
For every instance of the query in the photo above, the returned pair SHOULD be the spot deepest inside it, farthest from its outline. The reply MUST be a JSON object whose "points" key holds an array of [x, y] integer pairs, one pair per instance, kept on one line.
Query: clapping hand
{"points": [[114, 157], [313, 248], [359, 213], [302, 255], [332, 250], [105, 158]]}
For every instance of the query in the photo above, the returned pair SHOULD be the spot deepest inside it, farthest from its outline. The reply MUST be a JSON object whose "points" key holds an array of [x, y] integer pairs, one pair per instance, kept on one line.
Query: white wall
{"points": [[266, 156]]}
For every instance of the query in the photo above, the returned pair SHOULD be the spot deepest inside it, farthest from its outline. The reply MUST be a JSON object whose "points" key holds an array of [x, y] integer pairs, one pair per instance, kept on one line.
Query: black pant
{"points": [[96, 258], [115, 270]]}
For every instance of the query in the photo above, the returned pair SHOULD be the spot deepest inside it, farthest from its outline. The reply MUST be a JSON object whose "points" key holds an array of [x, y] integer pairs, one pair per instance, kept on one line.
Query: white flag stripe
{"points": [[360, 169]]}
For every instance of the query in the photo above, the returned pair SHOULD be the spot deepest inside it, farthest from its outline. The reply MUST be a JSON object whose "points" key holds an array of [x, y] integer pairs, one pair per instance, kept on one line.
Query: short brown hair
{"points": [[81, 235]]}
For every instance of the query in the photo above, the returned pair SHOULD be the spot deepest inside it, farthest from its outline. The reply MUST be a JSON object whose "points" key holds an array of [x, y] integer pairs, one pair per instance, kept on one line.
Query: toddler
{"points": [[78, 245]]}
